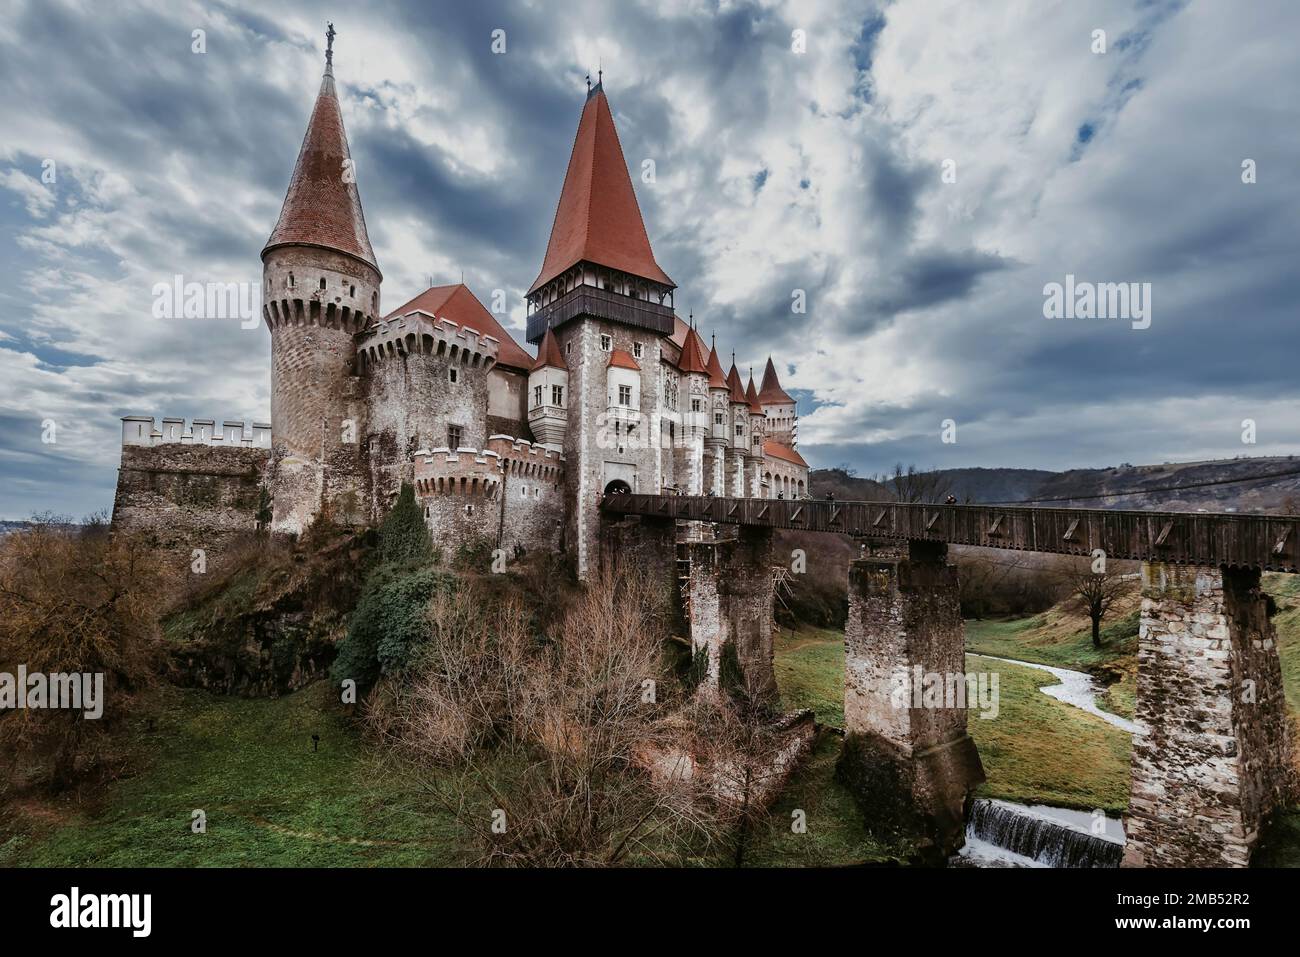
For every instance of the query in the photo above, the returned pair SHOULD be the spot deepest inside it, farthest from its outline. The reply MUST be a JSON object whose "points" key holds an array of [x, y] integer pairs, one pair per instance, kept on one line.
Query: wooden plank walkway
{"points": [[1267, 542]]}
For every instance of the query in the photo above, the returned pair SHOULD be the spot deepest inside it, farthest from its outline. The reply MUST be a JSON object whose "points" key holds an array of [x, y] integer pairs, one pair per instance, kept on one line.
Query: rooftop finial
{"points": [[329, 48]]}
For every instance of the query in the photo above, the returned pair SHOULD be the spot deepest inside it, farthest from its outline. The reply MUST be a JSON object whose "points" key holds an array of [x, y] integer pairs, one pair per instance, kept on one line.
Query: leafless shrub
{"points": [[74, 600], [574, 751]]}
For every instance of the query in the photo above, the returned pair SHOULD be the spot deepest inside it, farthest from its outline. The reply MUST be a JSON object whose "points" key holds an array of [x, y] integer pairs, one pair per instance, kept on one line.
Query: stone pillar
{"points": [[730, 594], [907, 755], [646, 543], [715, 465], [1210, 757]]}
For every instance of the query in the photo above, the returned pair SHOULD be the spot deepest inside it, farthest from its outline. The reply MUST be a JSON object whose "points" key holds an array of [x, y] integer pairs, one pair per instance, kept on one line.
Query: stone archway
{"points": [[618, 487]]}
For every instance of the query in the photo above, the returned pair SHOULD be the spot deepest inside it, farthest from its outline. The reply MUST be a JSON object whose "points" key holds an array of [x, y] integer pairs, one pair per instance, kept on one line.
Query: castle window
{"points": [[453, 436], [695, 405], [523, 491], [322, 282], [352, 290], [717, 418], [638, 350], [290, 280], [537, 396], [606, 343], [625, 395], [451, 375], [568, 348], [740, 430], [557, 395]]}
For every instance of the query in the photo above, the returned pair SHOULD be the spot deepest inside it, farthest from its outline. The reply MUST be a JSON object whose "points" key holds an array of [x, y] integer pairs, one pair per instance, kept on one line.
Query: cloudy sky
{"points": [[920, 169]]}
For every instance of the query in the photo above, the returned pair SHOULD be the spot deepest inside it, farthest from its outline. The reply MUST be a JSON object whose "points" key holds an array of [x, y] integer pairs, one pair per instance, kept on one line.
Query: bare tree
{"points": [[912, 485], [1097, 591]]}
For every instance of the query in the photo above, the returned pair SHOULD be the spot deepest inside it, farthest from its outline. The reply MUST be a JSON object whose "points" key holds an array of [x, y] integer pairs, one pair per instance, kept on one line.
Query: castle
{"points": [[501, 446]]}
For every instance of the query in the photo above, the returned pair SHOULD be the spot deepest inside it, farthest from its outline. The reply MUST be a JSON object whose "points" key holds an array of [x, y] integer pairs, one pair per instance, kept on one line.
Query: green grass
{"points": [[1037, 749], [835, 834], [809, 669], [269, 799], [1044, 751]]}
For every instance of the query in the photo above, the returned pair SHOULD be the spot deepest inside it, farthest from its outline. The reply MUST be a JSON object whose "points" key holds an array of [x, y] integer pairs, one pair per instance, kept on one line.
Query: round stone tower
{"points": [[320, 287]]}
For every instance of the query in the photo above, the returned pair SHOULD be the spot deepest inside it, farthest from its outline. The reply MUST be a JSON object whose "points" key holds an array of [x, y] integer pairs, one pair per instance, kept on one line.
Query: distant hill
{"points": [[1262, 484]]}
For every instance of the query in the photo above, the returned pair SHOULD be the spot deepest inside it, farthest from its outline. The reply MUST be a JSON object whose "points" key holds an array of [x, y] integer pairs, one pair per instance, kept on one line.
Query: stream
{"points": [[1006, 834]]}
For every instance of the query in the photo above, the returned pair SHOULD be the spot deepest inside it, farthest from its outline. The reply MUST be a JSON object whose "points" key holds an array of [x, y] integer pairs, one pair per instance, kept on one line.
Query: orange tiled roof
{"points": [[733, 384], [598, 219], [622, 359], [459, 305], [784, 452], [548, 353], [770, 392], [751, 395], [322, 207], [716, 379], [692, 359]]}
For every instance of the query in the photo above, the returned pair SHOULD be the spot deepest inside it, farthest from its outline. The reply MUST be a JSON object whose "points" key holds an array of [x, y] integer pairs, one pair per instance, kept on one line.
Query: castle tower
{"points": [[689, 453], [548, 386], [738, 433], [757, 436], [782, 421], [320, 286], [610, 307], [716, 441]]}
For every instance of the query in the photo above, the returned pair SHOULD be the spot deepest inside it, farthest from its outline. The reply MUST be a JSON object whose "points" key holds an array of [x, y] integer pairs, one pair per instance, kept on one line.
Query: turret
{"points": [[782, 420], [320, 286], [548, 393]]}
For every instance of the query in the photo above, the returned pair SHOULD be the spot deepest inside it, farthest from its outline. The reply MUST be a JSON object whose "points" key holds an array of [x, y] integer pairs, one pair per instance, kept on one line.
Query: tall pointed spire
{"points": [[770, 392], [549, 353], [716, 379], [598, 219], [322, 206], [692, 358]]}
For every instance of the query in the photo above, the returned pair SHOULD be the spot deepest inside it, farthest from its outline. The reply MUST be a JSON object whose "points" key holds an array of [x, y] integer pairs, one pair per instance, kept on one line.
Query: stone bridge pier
{"points": [[906, 753], [723, 591], [1211, 758], [728, 594]]}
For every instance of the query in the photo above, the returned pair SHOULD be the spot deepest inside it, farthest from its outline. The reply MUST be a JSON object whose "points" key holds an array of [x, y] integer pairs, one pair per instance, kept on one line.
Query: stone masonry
{"points": [[1211, 755], [730, 593], [912, 767]]}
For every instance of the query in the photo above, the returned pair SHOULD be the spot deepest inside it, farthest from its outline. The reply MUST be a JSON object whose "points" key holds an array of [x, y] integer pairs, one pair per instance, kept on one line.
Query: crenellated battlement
{"points": [[422, 333], [139, 430], [469, 471]]}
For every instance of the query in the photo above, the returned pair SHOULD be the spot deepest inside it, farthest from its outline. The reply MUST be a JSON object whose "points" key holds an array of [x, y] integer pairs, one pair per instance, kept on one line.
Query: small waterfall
{"points": [[1000, 833]]}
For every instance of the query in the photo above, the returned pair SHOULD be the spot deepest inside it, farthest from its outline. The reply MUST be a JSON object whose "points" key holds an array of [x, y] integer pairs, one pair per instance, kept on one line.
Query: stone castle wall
{"points": [[188, 497]]}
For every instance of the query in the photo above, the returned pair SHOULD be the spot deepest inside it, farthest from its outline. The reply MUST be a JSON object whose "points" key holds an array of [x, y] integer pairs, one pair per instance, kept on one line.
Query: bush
{"points": [[403, 536], [75, 600], [389, 624]]}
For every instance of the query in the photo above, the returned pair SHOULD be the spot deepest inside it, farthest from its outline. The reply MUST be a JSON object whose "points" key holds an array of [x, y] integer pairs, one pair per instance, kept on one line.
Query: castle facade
{"points": [[502, 446]]}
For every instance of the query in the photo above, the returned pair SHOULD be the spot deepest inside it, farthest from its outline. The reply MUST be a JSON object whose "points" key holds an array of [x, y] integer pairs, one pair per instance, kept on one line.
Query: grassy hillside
{"points": [[270, 800]]}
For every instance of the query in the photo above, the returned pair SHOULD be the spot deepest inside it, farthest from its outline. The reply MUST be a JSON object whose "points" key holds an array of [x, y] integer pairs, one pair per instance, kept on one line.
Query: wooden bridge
{"points": [[1266, 542]]}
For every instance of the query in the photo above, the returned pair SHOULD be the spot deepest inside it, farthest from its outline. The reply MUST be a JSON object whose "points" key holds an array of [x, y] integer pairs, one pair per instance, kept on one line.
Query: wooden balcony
{"points": [[600, 304]]}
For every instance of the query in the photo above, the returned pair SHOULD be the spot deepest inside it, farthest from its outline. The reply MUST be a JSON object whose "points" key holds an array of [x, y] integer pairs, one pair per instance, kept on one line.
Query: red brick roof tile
{"points": [[622, 359], [784, 452], [548, 353], [598, 219], [459, 305], [322, 206], [770, 392]]}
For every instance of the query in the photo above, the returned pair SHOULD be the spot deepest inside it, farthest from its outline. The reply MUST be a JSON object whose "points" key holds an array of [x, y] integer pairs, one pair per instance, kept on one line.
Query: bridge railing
{"points": [[1267, 542]]}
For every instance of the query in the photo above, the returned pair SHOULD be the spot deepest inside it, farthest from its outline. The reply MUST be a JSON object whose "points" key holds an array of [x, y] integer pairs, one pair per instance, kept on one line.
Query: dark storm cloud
{"points": [[775, 172]]}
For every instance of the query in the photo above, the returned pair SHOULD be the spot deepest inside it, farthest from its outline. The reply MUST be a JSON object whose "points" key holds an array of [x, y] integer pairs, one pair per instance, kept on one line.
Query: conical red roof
{"points": [[322, 206], [548, 353], [751, 395], [692, 358], [733, 384], [770, 392], [598, 219], [716, 379]]}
